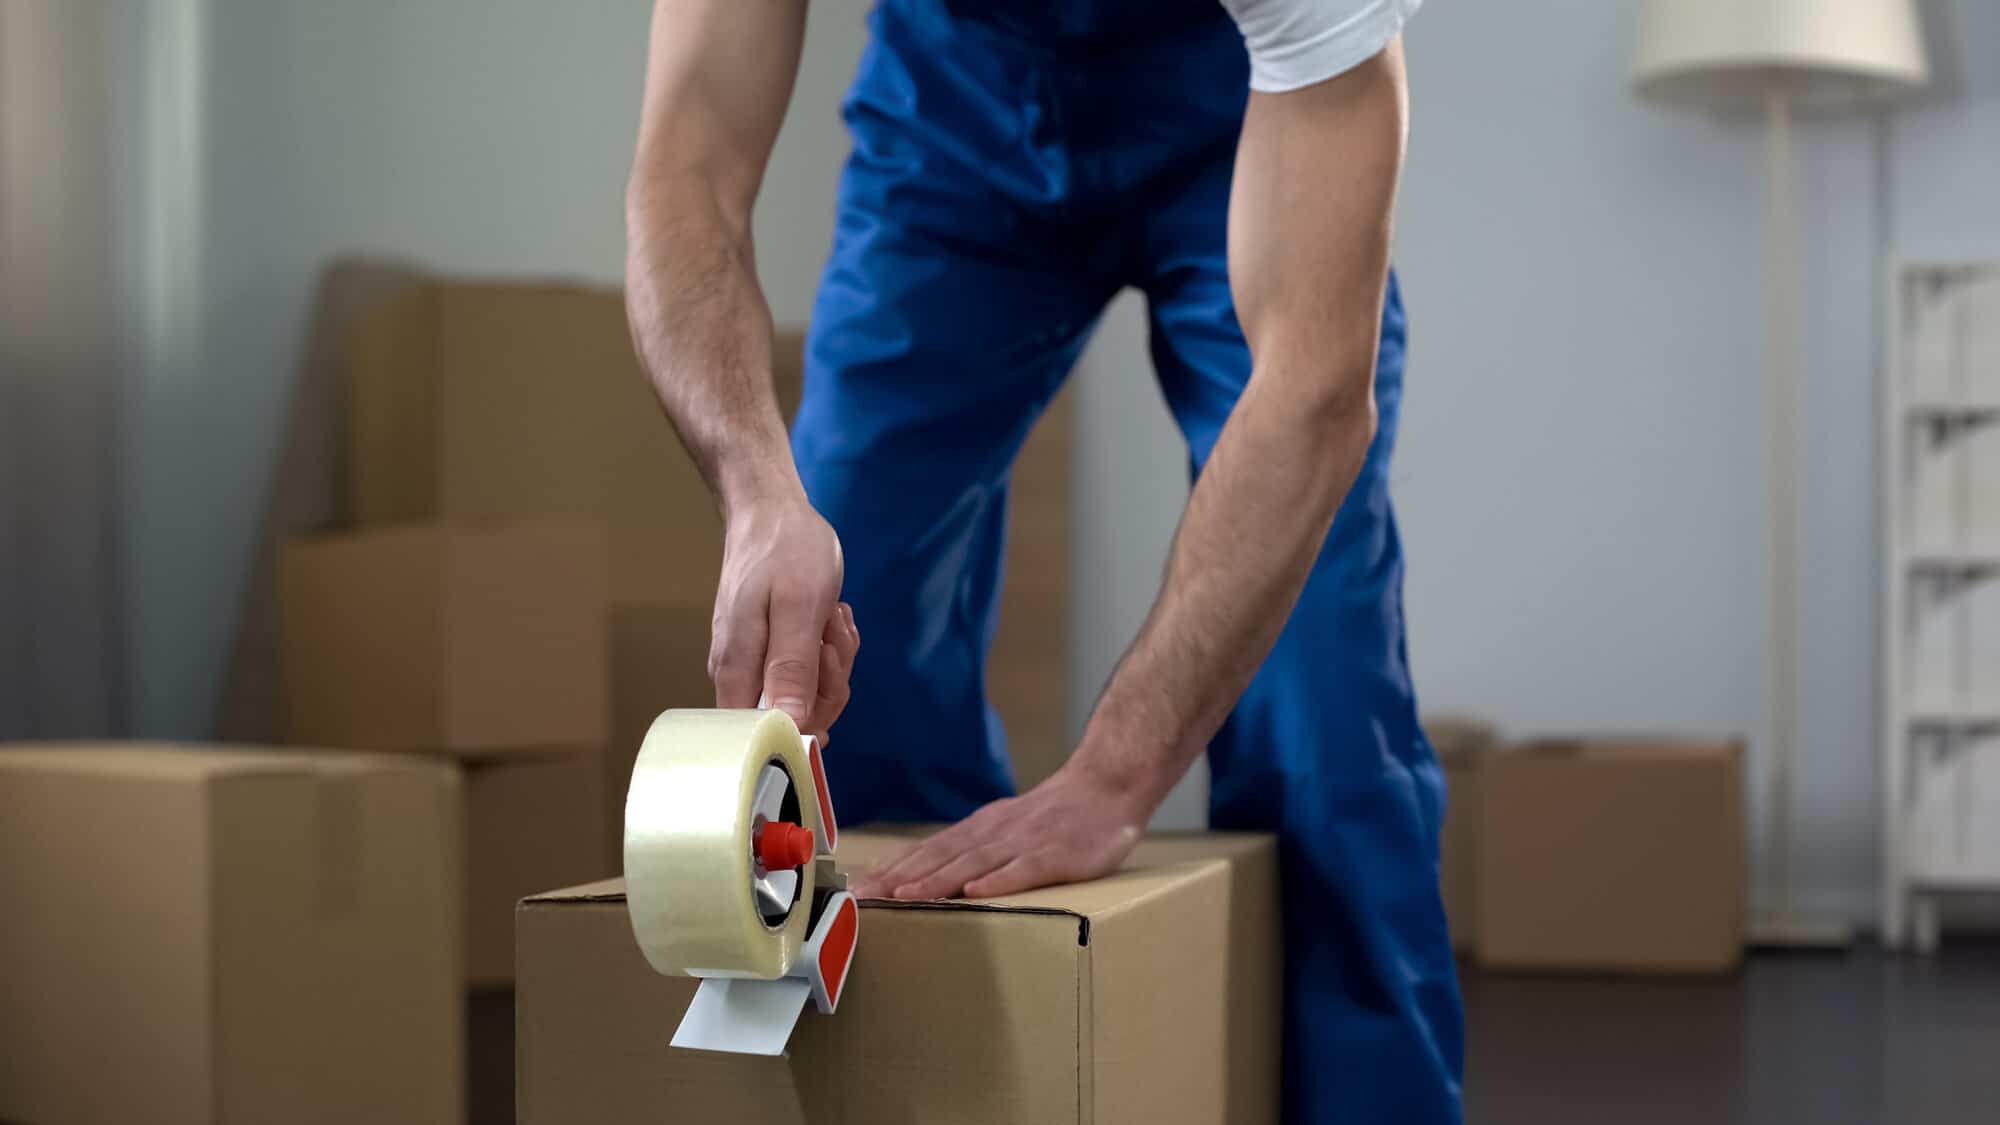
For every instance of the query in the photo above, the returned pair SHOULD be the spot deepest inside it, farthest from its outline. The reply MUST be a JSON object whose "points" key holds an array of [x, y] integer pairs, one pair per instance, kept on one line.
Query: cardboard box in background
{"points": [[209, 936], [1150, 996], [659, 661], [482, 402], [530, 825], [1461, 743], [454, 640], [1613, 854]]}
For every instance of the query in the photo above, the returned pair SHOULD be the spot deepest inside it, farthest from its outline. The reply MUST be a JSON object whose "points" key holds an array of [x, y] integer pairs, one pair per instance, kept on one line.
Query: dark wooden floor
{"points": [[1798, 1037]]}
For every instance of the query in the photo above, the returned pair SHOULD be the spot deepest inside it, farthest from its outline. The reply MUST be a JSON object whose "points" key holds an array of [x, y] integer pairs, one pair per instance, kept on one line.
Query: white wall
{"points": [[1581, 475]]}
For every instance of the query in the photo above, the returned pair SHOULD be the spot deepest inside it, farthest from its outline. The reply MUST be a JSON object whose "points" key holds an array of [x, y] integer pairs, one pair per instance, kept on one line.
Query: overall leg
{"points": [[1324, 747], [946, 319]]}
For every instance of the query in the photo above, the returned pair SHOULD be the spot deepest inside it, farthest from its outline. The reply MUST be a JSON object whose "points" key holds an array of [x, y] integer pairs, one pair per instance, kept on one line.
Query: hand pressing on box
{"points": [[1079, 824], [780, 636]]}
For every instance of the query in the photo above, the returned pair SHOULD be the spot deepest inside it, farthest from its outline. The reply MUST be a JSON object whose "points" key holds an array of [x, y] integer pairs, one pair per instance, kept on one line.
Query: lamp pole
{"points": [[1782, 309]]}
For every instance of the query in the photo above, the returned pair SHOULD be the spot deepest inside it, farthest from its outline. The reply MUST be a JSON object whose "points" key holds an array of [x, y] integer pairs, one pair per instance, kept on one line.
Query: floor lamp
{"points": [[1774, 57]]}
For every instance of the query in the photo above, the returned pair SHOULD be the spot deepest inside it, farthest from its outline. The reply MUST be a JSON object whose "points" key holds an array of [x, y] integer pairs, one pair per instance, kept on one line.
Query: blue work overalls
{"points": [[1016, 163]]}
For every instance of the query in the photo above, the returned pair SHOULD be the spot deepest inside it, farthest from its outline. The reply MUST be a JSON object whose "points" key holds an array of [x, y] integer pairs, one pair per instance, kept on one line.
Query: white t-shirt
{"points": [[1296, 43]]}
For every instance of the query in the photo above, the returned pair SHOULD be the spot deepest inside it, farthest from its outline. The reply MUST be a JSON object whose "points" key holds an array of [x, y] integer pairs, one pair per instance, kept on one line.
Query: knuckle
{"points": [[725, 656], [790, 670], [728, 598]]}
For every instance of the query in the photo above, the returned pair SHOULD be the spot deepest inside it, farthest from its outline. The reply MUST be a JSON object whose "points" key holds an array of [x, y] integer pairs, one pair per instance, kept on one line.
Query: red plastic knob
{"points": [[781, 846]]}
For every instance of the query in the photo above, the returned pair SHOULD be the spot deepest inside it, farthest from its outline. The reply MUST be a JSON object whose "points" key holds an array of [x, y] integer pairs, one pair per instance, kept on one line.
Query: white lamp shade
{"points": [[1731, 53]]}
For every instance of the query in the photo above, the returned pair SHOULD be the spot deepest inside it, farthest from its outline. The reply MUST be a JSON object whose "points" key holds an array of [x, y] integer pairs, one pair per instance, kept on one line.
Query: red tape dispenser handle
{"points": [[829, 828], [829, 952]]}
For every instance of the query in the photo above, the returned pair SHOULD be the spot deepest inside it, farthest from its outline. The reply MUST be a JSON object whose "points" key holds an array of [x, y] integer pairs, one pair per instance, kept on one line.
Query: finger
{"points": [[925, 858], [850, 642], [870, 883], [921, 859], [841, 639], [791, 661], [1038, 868], [952, 878], [736, 652], [833, 690]]}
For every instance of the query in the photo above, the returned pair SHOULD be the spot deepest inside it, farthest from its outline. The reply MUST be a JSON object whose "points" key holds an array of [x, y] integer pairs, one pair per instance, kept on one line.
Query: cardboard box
{"points": [[211, 936], [659, 660], [1616, 854], [476, 402], [1152, 996], [1461, 744], [530, 825], [461, 640]]}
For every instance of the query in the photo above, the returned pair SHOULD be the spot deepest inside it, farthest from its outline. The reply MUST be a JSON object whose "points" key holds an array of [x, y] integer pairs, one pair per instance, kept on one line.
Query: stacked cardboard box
{"points": [[1150, 996], [497, 404], [205, 936], [500, 402], [485, 645]]}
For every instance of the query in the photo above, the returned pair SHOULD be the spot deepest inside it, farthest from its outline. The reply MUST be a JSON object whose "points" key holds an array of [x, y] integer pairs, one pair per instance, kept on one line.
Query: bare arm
{"points": [[718, 77], [1309, 230]]}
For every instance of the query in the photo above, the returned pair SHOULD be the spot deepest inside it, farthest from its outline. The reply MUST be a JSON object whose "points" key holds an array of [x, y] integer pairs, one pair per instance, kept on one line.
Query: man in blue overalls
{"points": [[1015, 164]]}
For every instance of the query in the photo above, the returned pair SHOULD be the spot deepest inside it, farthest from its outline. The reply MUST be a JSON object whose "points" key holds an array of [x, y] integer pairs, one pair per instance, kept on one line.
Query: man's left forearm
{"points": [[1309, 237], [1253, 529], [1254, 525]]}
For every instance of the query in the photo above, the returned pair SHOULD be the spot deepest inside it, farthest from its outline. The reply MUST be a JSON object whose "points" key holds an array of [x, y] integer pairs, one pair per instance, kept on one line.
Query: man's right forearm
{"points": [[718, 76], [703, 330]]}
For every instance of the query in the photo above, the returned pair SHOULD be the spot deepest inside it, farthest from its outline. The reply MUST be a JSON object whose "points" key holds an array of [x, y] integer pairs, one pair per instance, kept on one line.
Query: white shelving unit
{"points": [[1941, 738]]}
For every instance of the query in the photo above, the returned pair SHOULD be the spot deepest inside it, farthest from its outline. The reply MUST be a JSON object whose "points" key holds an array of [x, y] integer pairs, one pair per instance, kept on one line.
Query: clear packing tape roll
{"points": [[701, 903]]}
